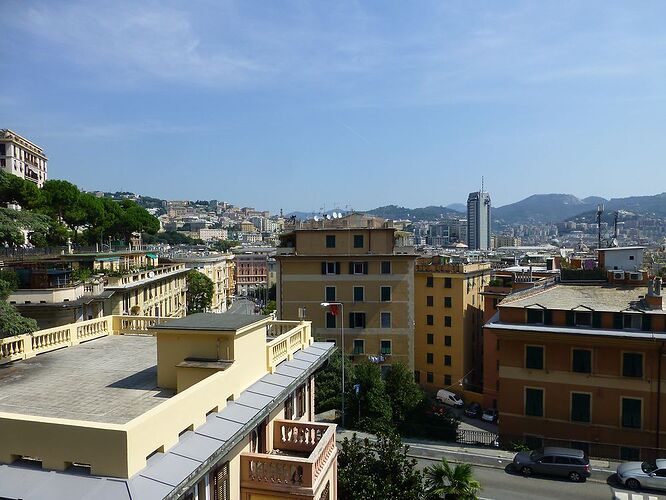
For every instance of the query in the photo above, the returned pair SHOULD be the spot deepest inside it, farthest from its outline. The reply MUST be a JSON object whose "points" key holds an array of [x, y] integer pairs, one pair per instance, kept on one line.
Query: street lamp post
{"points": [[342, 342]]}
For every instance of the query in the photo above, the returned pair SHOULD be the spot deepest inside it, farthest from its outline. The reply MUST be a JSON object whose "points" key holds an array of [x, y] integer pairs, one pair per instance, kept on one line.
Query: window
{"points": [[330, 268], [429, 377], [330, 320], [430, 320], [358, 268], [631, 257], [447, 360], [220, 483], [447, 321], [330, 293], [359, 346], [533, 402], [430, 339], [535, 316], [358, 241], [386, 267], [357, 320], [385, 320], [447, 301], [358, 293], [429, 358], [447, 282], [583, 318], [301, 398], [533, 442], [632, 364], [631, 413], [417, 376], [447, 380], [429, 301], [385, 293], [429, 283], [447, 340], [330, 241], [385, 346], [580, 407], [534, 357], [581, 361]]}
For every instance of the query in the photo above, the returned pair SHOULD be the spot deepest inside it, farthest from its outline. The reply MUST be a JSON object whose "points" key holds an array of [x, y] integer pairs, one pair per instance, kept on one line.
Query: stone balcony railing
{"points": [[301, 461], [128, 279], [283, 346], [31, 344]]}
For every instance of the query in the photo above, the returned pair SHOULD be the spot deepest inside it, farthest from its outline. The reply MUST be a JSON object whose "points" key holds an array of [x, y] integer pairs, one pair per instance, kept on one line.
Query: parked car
{"points": [[450, 398], [635, 475], [490, 415], [473, 410], [563, 462]]}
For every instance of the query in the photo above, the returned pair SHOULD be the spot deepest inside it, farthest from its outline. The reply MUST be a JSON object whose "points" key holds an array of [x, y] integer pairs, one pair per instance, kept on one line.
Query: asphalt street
{"points": [[241, 305]]}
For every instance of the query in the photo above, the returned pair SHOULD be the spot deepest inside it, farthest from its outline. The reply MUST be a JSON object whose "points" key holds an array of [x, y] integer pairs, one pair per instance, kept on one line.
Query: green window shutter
{"points": [[323, 268], [596, 319], [337, 268], [365, 268], [580, 407], [351, 320], [548, 317], [617, 321], [570, 318], [351, 268], [646, 322]]}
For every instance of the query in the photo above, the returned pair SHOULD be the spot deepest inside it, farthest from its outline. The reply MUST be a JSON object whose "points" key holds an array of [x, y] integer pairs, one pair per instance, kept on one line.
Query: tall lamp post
{"points": [[333, 309]]}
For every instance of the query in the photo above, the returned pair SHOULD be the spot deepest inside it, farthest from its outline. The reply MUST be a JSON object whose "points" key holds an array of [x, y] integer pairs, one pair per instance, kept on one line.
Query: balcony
{"points": [[302, 463]]}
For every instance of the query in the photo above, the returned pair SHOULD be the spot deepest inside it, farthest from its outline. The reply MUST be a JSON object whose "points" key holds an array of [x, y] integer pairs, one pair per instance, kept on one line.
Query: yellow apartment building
{"points": [[356, 261], [216, 267], [206, 407], [448, 305]]}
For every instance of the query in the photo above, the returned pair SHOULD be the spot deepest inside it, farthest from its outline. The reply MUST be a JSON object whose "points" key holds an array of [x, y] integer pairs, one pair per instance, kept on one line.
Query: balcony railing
{"points": [[285, 469], [283, 347], [31, 344]]}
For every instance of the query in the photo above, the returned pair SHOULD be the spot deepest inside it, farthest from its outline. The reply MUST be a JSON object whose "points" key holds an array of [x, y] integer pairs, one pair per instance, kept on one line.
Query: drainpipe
{"points": [[661, 353]]}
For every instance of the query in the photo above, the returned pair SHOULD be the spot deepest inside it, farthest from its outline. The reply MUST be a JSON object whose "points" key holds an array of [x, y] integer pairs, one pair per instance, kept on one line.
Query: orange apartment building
{"points": [[448, 324], [355, 260], [581, 365]]}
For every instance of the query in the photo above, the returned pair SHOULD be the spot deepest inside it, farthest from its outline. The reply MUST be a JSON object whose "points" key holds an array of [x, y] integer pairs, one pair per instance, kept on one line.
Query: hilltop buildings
{"points": [[211, 406]]}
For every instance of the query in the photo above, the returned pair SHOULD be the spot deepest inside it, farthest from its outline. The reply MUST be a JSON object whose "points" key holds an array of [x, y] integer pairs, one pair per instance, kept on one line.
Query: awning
{"points": [[151, 256], [107, 259]]}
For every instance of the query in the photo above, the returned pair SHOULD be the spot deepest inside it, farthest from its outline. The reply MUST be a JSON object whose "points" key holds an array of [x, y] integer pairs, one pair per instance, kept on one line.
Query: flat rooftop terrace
{"points": [[110, 380]]}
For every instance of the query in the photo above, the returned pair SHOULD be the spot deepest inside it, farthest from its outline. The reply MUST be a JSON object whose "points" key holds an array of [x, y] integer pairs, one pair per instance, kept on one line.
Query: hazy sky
{"points": [[299, 105]]}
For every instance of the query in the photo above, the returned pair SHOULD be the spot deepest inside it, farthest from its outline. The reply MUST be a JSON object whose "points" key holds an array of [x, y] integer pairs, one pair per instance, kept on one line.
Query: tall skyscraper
{"points": [[478, 221]]}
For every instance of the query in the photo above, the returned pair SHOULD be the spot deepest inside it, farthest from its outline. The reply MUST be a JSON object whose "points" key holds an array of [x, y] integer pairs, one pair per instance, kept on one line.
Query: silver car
{"points": [[635, 475]]}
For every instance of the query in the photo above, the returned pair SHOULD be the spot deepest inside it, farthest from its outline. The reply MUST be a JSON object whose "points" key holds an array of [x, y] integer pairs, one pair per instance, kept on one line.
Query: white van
{"points": [[450, 398]]}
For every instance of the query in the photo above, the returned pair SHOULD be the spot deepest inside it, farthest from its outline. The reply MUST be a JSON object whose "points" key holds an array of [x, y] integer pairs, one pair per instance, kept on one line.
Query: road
{"points": [[504, 484], [242, 305]]}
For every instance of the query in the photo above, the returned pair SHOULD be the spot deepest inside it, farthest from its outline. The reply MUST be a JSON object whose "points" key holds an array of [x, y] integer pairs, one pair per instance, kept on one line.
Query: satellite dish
{"points": [[328, 216], [335, 215], [316, 218]]}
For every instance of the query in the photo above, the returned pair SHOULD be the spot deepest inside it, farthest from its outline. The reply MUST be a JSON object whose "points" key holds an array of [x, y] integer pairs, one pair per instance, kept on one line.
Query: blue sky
{"points": [[300, 105]]}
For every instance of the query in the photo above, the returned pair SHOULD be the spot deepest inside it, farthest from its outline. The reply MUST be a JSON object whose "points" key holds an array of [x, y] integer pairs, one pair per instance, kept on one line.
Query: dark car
{"points": [[473, 410], [563, 462]]}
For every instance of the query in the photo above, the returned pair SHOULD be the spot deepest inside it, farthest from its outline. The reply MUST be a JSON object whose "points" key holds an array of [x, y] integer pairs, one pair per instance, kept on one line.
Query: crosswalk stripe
{"points": [[621, 495]]}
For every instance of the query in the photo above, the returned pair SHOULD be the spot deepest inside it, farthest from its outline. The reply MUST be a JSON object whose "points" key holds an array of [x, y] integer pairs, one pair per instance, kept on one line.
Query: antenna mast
{"points": [[600, 210]]}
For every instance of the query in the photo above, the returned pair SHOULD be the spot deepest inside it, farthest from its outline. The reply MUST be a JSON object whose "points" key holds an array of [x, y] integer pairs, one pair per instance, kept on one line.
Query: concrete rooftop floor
{"points": [[108, 380]]}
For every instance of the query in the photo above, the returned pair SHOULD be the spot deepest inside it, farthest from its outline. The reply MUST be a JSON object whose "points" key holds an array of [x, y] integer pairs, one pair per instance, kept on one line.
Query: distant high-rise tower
{"points": [[478, 221]]}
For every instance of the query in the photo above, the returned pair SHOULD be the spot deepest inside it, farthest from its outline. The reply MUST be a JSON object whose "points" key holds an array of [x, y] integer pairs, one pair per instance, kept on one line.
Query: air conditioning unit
{"points": [[618, 275]]}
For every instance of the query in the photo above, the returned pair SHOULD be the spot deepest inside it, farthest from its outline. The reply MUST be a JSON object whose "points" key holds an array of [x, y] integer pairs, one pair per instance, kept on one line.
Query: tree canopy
{"points": [[11, 321], [60, 210], [200, 290], [444, 481]]}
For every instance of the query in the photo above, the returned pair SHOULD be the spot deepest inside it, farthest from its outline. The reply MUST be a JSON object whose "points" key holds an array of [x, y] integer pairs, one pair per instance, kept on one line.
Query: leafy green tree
{"points": [[15, 190], [373, 470], [370, 409], [328, 383], [404, 393], [199, 292], [61, 198], [11, 321], [456, 483], [170, 238], [224, 245], [270, 307]]}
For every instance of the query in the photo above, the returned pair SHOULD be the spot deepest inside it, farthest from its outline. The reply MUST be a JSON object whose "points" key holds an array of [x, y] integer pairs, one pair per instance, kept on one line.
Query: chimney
{"points": [[650, 287], [654, 298]]}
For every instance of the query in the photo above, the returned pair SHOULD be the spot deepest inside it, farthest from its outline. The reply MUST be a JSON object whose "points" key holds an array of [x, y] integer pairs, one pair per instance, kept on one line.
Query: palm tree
{"points": [[443, 481]]}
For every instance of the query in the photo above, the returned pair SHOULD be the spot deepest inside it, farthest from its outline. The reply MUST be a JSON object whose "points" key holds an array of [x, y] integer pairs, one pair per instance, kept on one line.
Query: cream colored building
{"points": [[215, 267], [206, 407], [354, 261], [20, 157]]}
